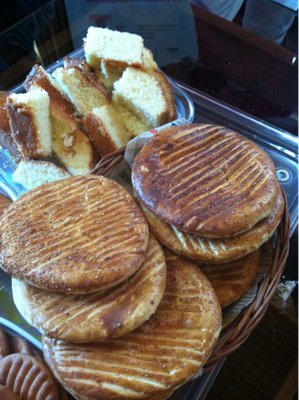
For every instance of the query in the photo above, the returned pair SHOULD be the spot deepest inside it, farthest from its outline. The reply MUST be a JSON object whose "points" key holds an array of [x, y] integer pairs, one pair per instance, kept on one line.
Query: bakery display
{"points": [[32, 173], [87, 272], [101, 315], [163, 353], [205, 180], [29, 120], [79, 235], [216, 250], [94, 106]]}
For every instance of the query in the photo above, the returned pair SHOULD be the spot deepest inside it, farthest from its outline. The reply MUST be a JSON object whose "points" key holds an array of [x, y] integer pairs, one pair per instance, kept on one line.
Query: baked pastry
{"points": [[82, 88], [113, 50], [205, 180], [217, 250], [231, 280], [143, 95], [19, 345], [5, 202], [6, 138], [98, 316], [79, 235], [163, 353], [7, 394], [29, 120], [26, 376], [4, 347], [106, 130], [71, 146], [31, 173]]}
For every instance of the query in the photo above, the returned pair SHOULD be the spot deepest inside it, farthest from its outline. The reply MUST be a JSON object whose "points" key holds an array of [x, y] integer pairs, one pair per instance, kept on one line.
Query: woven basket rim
{"points": [[234, 334]]}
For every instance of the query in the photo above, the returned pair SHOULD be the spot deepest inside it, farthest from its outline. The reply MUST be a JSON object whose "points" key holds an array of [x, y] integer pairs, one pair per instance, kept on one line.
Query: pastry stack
{"points": [[113, 307], [210, 195]]}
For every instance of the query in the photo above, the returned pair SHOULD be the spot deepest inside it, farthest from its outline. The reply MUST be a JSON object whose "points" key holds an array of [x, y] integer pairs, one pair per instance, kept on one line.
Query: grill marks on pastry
{"points": [[101, 315], [205, 180], [161, 354], [81, 235], [27, 377], [229, 158], [216, 250], [233, 279]]}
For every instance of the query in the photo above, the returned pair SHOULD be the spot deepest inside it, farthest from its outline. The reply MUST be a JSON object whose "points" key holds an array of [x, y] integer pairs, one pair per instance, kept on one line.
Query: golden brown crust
{"points": [[205, 180], [4, 347], [6, 138], [216, 250], [25, 375], [98, 135], [161, 354], [98, 316], [78, 235], [19, 345], [62, 115], [59, 104], [7, 394], [231, 280], [165, 86], [24, 130]]}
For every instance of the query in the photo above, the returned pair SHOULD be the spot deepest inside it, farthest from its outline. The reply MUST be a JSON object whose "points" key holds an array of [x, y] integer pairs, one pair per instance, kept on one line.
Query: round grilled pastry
{"points": [[163, 353], [78, 235], [27, 377], [231, 280], [205, 179], [217, 250], [98, 316]]}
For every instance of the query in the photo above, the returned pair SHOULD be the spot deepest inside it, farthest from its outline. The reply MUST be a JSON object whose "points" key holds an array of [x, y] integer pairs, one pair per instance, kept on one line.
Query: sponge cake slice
{"points": [[29, 120], [71, 145]]}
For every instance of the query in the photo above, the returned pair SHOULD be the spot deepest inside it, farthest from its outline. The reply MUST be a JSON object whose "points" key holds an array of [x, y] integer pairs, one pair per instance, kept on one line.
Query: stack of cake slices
{"points": [[113, 307], [211, 195]]}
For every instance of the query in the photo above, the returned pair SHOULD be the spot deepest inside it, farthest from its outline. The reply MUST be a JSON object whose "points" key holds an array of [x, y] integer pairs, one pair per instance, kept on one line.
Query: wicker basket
{"points": [[235, 333]]}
